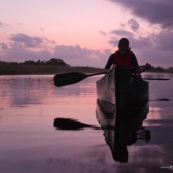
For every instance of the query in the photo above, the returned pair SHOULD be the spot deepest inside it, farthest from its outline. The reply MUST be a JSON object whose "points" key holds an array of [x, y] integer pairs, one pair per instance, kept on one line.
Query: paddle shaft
{"points": [[155, 78], [94, 74]]}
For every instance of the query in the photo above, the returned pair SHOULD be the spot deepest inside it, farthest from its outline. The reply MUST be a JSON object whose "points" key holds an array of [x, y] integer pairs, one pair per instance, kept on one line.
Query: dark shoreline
{"points": [[55, 66], [18, 69], [23, 69]]}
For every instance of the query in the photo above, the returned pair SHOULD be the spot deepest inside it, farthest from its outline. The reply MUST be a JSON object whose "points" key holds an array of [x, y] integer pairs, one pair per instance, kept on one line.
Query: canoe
{"points": [[122, 105], [120, 88], [122, 128]]}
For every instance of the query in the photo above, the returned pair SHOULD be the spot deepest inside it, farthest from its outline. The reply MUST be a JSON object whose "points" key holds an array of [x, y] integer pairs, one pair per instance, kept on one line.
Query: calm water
{"points": [[30, 143]]}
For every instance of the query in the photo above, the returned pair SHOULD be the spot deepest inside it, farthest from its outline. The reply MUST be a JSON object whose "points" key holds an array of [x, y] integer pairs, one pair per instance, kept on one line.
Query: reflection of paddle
{"points": [[71, 124], [71, 78]]}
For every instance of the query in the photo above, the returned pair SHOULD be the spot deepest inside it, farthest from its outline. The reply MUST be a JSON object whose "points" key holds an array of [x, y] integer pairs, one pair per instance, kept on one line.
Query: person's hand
{"points": [[147, 66]]}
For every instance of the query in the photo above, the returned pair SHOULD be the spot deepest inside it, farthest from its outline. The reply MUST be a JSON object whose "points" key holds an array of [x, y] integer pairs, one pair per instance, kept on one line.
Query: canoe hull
{"points": [[120, 88]]}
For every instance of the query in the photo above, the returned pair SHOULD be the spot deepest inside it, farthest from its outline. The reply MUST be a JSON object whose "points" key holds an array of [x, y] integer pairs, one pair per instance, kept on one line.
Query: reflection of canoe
{"points": [[121, 89], [122, 128]]}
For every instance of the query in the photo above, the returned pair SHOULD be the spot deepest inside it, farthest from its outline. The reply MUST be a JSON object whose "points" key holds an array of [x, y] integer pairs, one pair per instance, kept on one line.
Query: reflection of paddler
{"points": [[121, 127]]}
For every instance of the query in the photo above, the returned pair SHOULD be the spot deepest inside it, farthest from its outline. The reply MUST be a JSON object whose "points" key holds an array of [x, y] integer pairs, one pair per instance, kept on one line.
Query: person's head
{"points": [[123, 46]]}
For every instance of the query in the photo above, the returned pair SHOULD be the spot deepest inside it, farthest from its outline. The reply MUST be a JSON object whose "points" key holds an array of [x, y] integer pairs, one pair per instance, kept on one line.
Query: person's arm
{"points": [[142, 69], [135, 64], [109, 62], [134, 60]]}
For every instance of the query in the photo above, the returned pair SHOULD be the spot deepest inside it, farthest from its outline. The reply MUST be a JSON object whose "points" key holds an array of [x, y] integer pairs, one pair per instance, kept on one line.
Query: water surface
{"points": [[30, 143]]}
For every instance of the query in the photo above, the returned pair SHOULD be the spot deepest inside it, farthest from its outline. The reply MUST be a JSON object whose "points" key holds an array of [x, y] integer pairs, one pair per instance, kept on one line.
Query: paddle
{"points": [[75, 77], [155, 78], [71, 78]]}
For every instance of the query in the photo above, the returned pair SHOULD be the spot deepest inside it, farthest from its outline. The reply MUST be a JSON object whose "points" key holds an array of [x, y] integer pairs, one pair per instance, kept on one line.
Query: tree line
{"points": [[161, 69], [51, 66], [53, 61]]}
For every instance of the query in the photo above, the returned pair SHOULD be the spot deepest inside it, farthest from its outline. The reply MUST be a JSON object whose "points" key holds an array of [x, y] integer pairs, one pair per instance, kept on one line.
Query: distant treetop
{"points": [[58, 62]]}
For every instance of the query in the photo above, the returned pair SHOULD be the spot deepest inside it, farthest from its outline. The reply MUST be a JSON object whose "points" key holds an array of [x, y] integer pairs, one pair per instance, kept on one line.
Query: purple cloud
{"points": [[154, 11], [4, 46], [134, 25], [163, 40], [155, 48], [117, 34], [81, 56], [26, 41], [22, 47], [136, 43]]}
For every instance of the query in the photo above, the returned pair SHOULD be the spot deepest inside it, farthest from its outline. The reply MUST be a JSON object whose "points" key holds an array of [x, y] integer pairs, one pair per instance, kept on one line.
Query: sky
{"points": [[86, 33]]}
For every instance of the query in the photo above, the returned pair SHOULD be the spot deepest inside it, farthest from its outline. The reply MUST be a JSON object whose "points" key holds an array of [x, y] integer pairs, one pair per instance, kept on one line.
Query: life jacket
{"points": [[123, 61]]}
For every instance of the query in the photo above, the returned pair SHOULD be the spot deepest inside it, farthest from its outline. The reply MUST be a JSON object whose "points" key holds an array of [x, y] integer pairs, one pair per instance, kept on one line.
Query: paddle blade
{"points": [[68, 78]]}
